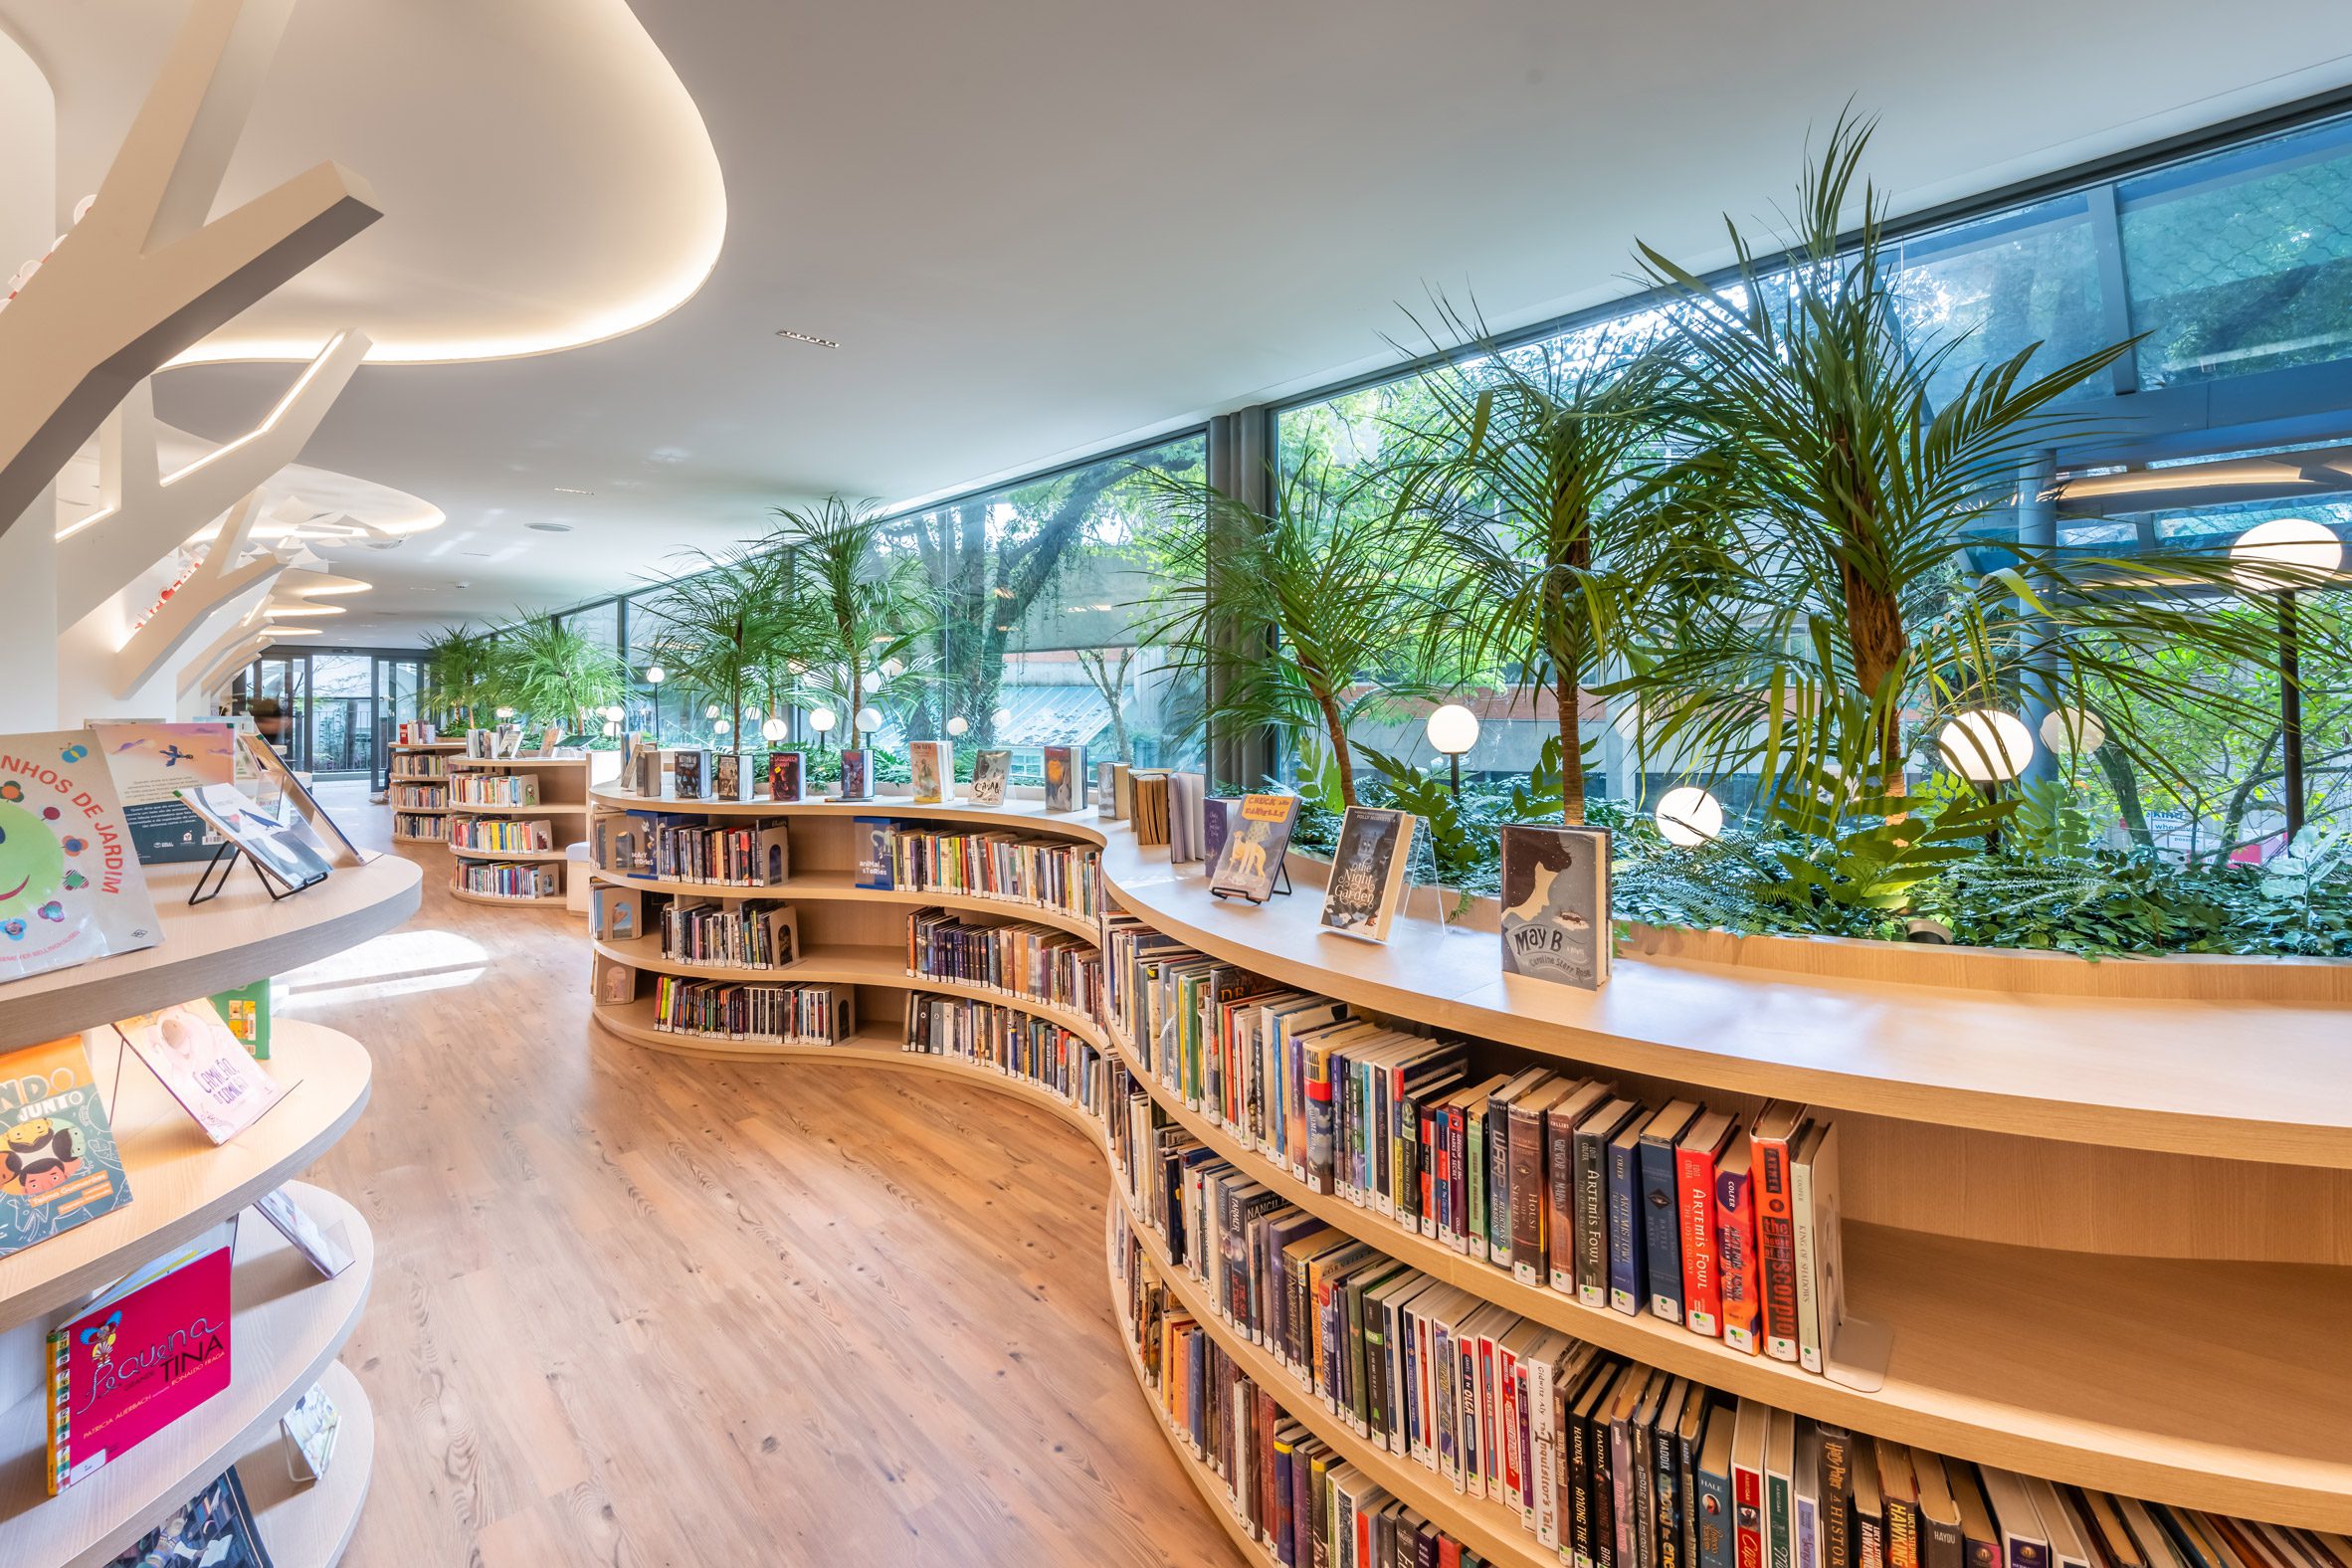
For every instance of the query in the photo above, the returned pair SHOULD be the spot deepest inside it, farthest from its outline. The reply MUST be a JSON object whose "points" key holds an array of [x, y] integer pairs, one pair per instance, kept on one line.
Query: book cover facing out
{"points": [[1555, 905], [150, 764], [213, 1529], [149, 1351], [686, 773], [273, 843], [856, 782], [59, 1167], [1253, 850], [875, 858], [71, 888], [784, 776], [205, 1067], [1366, 870], [1065, 777], [246, 1009], [726, 776], [990, 769], [929, 763]]}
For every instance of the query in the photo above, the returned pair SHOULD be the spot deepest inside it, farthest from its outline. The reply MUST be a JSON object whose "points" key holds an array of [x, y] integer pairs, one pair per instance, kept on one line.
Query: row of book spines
{"points": [[510, 882], [997, 864], [475, 789], [1015, 1044], [521, 838], [822, 1015], [413, 826]]}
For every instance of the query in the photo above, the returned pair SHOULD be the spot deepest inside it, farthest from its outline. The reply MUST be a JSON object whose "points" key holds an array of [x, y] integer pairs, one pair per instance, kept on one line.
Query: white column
{"points": [[29, 221]]}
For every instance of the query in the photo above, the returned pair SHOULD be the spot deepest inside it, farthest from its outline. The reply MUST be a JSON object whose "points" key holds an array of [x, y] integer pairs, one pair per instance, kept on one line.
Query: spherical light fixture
{"points": [[616, 713], [2072, 731], [1690, 815], [795, 667], [506, 713], [1453, 730], [656, 673], [750, 712], [870, 681], [959, 726], [712, 711], [774, 728], [719, 726], [612, 731], [1002, 718], [870, 720], [823, 719], [893, 669], [2286, 552], [1986, 746]]}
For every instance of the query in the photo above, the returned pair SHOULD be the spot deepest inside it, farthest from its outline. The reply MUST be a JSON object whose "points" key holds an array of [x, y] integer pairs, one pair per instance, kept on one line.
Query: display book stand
{"points": [[287, 1323], [2092, 1305]]}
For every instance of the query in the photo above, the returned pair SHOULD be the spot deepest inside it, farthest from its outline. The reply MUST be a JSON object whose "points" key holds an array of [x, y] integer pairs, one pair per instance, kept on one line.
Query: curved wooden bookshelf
{"points": [[544, 808], [237, 938], [309, 1524], [553, 901], [841, 886], [2158, 1377], [180, 1181], [465, 851], [288, 1323], [402, 837]]}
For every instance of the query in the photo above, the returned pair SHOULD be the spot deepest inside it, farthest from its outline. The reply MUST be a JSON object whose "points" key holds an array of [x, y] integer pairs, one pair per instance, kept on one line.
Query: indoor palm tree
{"points": [[557, 676], [856, 609], [1299, 617], [464, 672], [722, 627]]}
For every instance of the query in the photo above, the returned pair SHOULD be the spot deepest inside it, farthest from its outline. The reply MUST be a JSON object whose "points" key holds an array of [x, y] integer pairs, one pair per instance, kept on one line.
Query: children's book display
{"points": [[1217, 815], [857, 776], [71, 888], [1368, 871], [269, 770], [328, 1252], [784, 776], [1555, 905], [193, 1053], [246, 1009], [990, 770], [214, 1529], [1252, 861], [149, 1349], [150, 764], [932, 763], [59, 1167], [311, 1428], [1065, 777], [282, 856]]}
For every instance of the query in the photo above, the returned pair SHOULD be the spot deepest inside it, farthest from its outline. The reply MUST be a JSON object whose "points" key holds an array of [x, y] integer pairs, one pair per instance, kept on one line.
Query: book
{"points": [[1837, 1451], [274, 845], [1694, 1179], [644, 770], [1806, 1485], [1735, 1246], [1747, 1482], [857, 776], [59, 1165], [246, 1009], [1780, 1495], [1065, 777], [1368, 871], [149, 1349], [990, 770], [1146, 802], [309, 1429], [150, 764], [1594, 1137], [1979, 1538], [689, 774], [1555, 905], [1899, 1495], [191, 1051], [325, 1254], [71, 888], [1110, 804], [1629, 1270], [874, 839], [1940, 1542], [1662, 1230], [1216, 826], [1714, 1505], [784, 776], [726, 775], [213, 1529], [1820, 1307], [1254, 854], [932, 763], [1870, 1509], [1778, 1128]]}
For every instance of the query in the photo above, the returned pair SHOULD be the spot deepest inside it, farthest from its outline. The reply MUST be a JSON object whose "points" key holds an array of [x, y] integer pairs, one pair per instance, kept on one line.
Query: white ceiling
{"points": [[1044, 226]]}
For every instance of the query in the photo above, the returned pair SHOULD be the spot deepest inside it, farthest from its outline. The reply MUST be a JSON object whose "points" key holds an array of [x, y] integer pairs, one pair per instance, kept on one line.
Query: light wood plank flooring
{"points": [[638, 1309]]}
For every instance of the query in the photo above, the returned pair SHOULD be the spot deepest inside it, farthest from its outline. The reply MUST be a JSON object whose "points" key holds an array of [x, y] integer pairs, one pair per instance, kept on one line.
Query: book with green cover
{"points": [[246, 1009]]}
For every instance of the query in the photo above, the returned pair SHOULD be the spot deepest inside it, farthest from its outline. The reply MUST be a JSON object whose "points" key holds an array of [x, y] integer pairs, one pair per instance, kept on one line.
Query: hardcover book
{"points": [[1778, 1128], [1694, 1178], [1217, 814], [990, 769], [784, 776], [1662, 1236], [1254, 854], [147, 1352], [192, 1053], [857, 778], [59, 1167], [246, 1009], [150, 764], [874, 842], [1065, 777], [71, 888], [688, 772], [1555, 905], [213, 1529], [1368, 871], [274, 845], [326, 1252], [311, 1428], [932, 763], [1735, 1247], [726, 776], [1107, 801]]}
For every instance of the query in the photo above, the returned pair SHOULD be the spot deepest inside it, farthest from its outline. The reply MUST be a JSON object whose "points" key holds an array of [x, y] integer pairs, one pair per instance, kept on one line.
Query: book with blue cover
{"points": [[1662, 1213], [874, 840], [1629, 1275]]}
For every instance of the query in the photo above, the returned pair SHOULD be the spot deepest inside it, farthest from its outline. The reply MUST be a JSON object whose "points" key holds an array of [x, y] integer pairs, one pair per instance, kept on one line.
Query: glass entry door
{"points": [[399, 699]]}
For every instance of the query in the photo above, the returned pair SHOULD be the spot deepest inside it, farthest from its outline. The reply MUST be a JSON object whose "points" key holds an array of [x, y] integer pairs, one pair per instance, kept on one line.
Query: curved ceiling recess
{"points": [[552, 181]]}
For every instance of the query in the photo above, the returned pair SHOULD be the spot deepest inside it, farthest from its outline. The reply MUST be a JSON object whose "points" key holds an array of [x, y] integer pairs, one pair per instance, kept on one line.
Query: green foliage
{"points": [[852, 608], [558, 677], [2051, 822], [464, 676], [1455, 849], [720, 628], [1845, 852]]}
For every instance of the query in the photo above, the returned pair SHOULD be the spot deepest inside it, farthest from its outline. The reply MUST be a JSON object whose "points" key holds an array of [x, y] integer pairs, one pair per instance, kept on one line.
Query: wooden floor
{"points": [[638, 1309]]}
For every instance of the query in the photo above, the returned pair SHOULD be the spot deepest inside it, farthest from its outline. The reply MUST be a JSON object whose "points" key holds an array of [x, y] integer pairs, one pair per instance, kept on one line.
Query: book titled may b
{"points": [[1555, 905]]}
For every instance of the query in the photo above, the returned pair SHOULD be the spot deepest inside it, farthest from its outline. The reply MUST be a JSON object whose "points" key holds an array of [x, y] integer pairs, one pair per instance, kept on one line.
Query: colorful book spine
{"points": [[1662, 1245], [1628, 1273], [1776, 1244], [1703, 1291]]}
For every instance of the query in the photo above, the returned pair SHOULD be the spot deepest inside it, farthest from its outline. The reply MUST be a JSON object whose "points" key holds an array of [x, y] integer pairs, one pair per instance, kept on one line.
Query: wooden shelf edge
{"points": [[309, 1525], [823, 887], [534, 857], [547, 901]]}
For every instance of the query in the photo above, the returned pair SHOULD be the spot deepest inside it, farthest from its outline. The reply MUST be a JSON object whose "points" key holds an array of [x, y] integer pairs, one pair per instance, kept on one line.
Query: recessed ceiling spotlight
{"points": [[551, 527], [566, 490], [803, 337]]}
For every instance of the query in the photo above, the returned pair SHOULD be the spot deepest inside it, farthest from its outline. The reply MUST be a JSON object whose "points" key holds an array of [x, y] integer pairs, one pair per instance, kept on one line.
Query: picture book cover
{"points": [[192, 1053], [932, 763], [1368, 871], [874, 840], [1065, 777], [274, 845], [150, 764], [151, 1350], [246, 1009], [857, 779], [726, 776], [1253, 850], [686, 774], [327, 1253], [1217, 814], [990, 770], [59, 1167], [1555, 905], [213, 1529], [309, 1430], [784, 776], [71, 888]]}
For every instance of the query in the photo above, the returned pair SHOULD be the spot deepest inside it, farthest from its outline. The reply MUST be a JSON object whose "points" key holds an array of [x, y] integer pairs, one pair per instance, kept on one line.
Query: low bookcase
{"points": [[2093, 1228], [490, 816], [418, 792]]}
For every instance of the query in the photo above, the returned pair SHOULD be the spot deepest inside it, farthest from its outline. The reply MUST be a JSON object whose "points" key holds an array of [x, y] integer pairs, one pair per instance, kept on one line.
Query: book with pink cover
{"points": [[149, 1350], [204, 1065]]}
